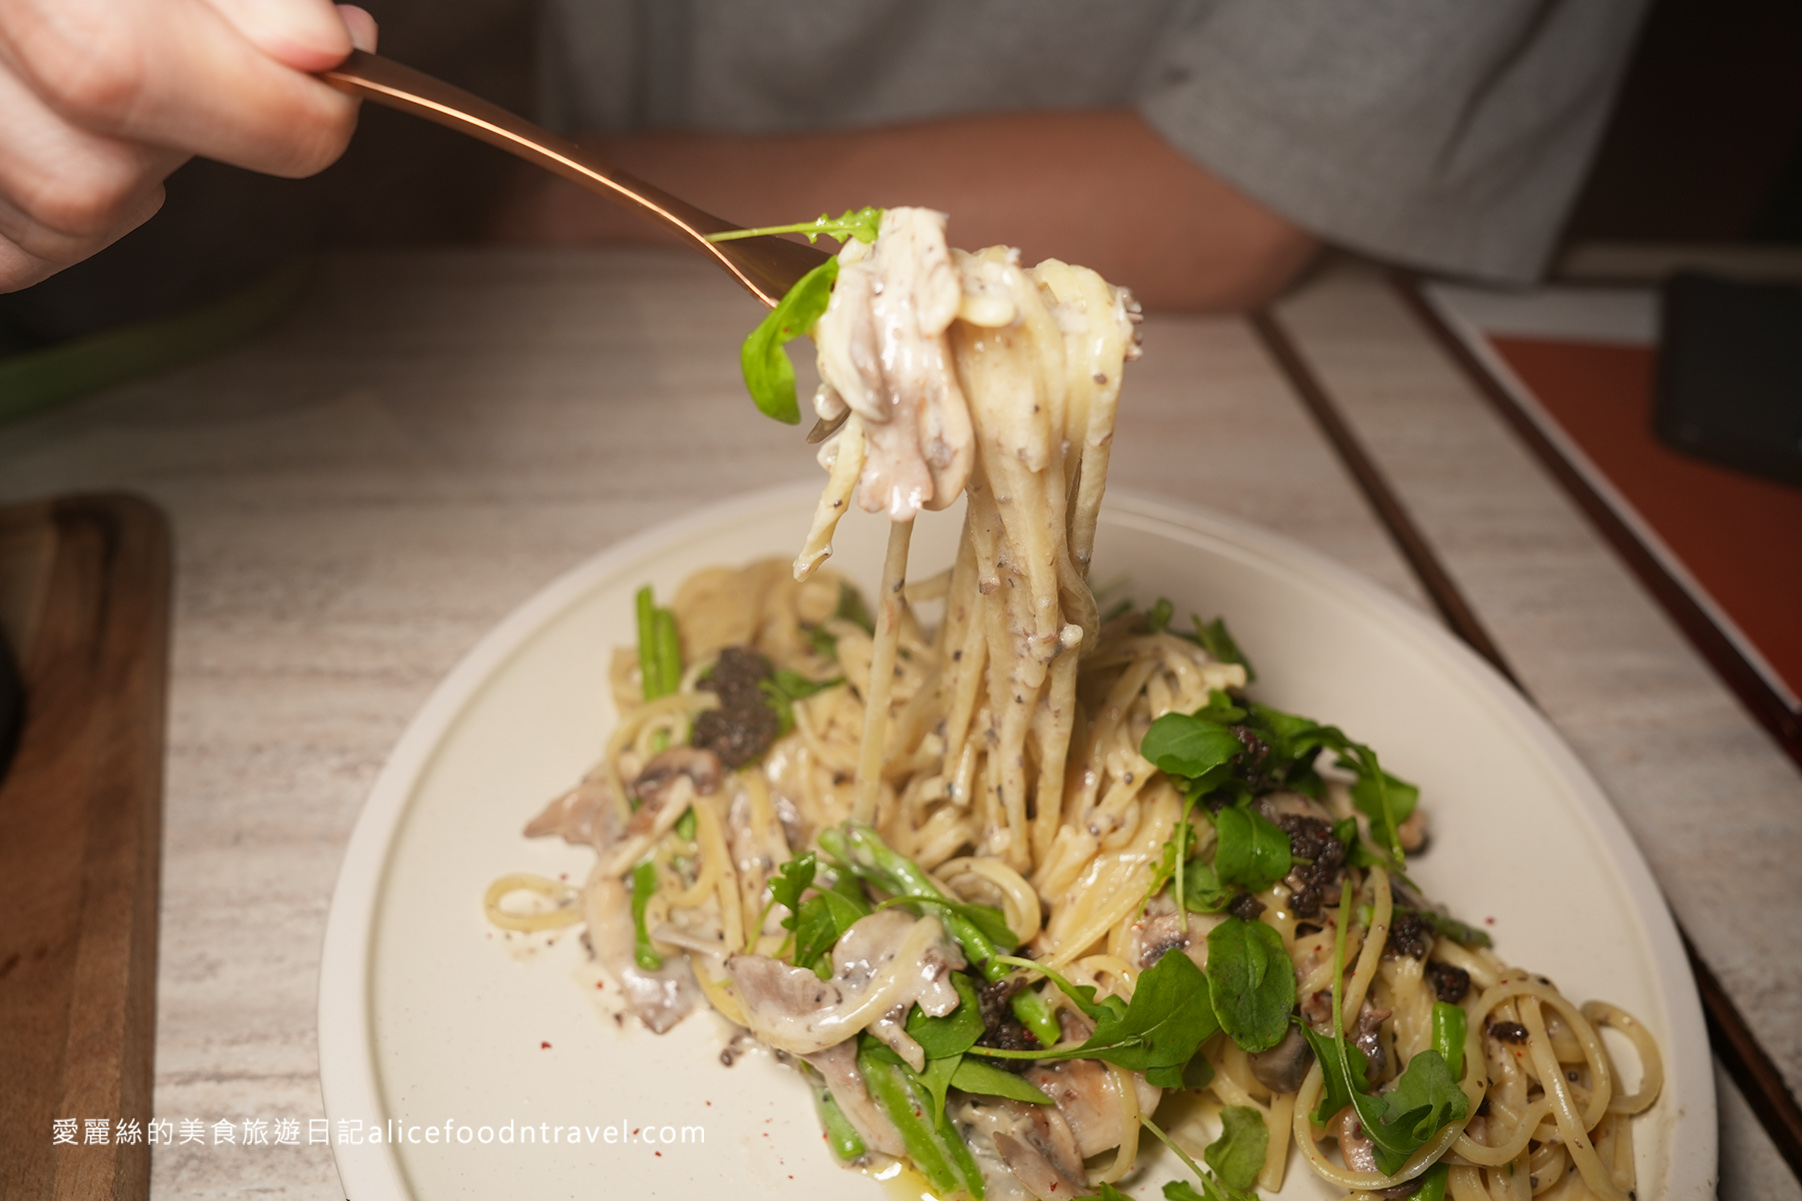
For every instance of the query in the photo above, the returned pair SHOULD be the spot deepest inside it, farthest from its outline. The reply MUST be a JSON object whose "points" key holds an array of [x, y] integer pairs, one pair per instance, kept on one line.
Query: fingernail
{"points": [[362, 27]]}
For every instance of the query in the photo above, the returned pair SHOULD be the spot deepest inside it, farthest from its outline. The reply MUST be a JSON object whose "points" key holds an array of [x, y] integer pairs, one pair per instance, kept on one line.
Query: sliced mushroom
{"points": [[1358, 1151], [838, 1064], [1282, 1068], [886, 961], [1368, 1038], [1087, 1094], [659, 998], [664, 773], [1035, 1142], [665, 788], [586, 815]]}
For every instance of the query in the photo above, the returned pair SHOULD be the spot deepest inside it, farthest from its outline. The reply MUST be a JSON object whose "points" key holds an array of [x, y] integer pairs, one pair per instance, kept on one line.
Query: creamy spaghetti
{"points": [[1006, 885]]}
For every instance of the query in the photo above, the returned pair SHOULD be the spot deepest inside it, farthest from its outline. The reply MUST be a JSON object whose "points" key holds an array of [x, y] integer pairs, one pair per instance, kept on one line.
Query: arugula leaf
{"points": [[975, 1076], [820, 922], [1202, 890], [1212, 1189], [852, 608], [786, 687], [1237, 1156], [1400, 1122], [1385, 800], [1181, 744], [769, 375], [1423, 1102], [1158, 619], [954, 1033], [790, 881], [1342, 1080], [1107, 1193], [1082, 994], [1197, 1073], [1163, 1024], [1252, 980], [1222, 708], [1217, 642], [861, 224], [936, 1080], [1253, 851]]}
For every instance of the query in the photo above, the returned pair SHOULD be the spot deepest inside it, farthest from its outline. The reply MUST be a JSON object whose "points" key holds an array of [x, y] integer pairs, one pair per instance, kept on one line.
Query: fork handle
{"points": [[767, 267]]}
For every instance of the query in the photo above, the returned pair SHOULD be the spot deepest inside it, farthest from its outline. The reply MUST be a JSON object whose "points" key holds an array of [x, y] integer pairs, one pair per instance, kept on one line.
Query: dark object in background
{"points": [[222, 229], [12, 706], [1729, 383]]}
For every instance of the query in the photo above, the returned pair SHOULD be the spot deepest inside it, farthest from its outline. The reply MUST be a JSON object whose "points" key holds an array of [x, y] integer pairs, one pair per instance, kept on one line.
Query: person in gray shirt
{"points": [[1198, 150]]}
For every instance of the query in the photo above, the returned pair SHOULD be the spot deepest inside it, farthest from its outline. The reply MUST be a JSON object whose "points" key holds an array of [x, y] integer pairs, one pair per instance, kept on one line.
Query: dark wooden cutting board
{"points": [[84, 604]]}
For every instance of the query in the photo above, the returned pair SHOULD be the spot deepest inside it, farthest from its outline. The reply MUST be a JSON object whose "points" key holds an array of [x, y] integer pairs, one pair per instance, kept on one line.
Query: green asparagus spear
{"points": [[895, 873], [1448, 1036], [841, 1136], [644, 884], [935, 1147]]}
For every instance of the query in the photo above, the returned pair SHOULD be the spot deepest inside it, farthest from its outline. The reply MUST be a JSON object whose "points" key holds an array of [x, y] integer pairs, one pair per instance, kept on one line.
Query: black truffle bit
{"points": [[1450, 984], [1245, 907], [745, 723], [1508, 1032], [1410, 935], [1000, 1029], [1319, 860]]}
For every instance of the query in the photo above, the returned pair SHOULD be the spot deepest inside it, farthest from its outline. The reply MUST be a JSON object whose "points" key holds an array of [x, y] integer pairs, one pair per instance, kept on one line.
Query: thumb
{"points": [[362, 27], [307, 35]]}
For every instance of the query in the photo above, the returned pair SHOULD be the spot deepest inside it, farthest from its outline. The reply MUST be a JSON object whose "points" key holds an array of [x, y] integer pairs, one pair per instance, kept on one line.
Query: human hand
{"points": [[100, 100]]}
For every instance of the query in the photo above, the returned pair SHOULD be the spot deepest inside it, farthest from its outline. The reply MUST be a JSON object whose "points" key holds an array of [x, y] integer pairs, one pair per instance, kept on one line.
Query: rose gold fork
{"points": [[767, 266]]}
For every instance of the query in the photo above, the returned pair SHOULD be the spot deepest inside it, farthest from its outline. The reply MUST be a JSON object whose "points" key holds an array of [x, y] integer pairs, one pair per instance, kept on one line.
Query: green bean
{"points": [[1448, 1036], [644, 885], [860, 846], [841, 1136], [647, 643], [1432, 1182], [669, 654], [935, 1147], [1029, 1006], [659, 648]]}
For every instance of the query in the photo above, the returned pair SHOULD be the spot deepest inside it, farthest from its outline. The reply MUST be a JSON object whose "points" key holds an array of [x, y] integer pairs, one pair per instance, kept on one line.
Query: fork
{"points": [[767, 266]]}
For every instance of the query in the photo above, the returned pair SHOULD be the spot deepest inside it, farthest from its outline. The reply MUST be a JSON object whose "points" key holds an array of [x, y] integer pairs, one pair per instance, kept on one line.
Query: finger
{"points": [[181, 76], [307, 35], [64, 192], [363, 31], [19, 269]]}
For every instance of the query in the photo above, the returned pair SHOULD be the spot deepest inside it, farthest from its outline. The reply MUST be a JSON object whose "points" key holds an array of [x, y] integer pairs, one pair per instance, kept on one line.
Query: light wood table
{"points": [[359, 495]]}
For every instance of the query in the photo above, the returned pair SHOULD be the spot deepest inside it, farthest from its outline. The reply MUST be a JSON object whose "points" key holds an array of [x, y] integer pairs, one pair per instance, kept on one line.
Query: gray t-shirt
{"points": [[1446, 134]]}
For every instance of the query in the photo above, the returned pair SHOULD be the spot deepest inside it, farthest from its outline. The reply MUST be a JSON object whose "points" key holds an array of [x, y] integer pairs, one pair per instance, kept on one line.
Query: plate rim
{"points": [[348, 1077]]}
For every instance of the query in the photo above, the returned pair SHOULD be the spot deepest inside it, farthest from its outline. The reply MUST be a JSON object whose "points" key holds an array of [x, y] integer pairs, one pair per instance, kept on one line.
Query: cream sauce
{"points": [[883, 964]]}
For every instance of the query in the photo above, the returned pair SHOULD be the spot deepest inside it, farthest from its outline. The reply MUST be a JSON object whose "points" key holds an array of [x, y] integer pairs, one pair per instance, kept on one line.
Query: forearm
{"points": [[1097, 188]]}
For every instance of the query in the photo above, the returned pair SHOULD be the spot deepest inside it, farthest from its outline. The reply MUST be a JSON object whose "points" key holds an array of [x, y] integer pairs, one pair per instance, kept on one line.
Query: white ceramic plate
{"points": [[434, 1026]]}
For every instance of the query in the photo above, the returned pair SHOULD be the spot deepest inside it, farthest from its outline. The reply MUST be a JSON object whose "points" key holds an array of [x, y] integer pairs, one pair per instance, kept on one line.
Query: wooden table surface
{"points": [[359, 495]]}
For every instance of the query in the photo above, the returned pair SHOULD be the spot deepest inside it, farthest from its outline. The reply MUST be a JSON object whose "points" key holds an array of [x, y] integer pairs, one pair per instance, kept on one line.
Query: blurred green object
{"points": [[38, 379]]}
